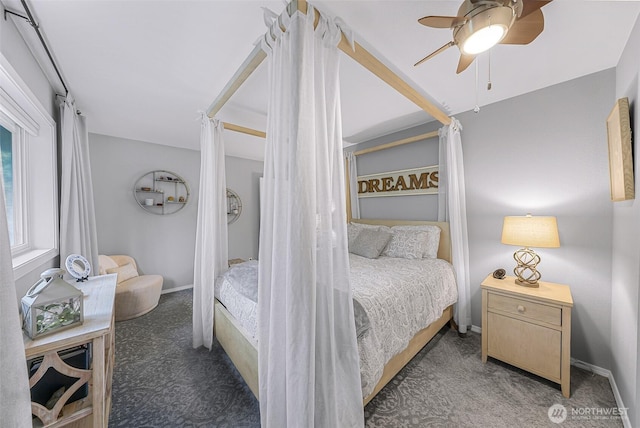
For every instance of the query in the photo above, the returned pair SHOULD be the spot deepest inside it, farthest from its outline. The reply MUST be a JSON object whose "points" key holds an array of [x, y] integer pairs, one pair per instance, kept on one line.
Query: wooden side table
{"points": [[529, 328], [98, 330]]}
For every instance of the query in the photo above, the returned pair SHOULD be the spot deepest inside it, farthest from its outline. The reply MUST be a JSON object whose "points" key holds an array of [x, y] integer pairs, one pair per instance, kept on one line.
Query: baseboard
{"points": [[476, 329], [616, 393], [174, 289]]}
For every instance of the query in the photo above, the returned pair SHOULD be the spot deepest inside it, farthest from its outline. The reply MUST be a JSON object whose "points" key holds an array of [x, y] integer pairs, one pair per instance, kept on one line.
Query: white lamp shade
{"points": [[530, 231]]}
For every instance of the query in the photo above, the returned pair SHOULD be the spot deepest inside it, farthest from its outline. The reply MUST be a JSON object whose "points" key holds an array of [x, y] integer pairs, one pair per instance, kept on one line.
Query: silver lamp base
{"points": [[525, 271]]}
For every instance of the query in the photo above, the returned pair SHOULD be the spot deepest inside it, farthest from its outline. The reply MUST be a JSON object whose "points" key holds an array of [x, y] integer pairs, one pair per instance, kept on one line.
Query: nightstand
{"points": [[98, 330], [529, 328]]}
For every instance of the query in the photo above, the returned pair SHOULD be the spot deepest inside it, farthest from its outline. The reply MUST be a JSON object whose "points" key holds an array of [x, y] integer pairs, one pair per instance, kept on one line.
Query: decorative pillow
{"points": [[371, 226], [362, 319], [352, 232], [407, 244], [433, 239], [124, 272], [369, 243], [105, 263]]}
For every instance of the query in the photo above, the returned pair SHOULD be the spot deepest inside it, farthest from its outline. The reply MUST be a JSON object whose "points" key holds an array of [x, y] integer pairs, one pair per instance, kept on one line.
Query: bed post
{"points": [[347, 186]]}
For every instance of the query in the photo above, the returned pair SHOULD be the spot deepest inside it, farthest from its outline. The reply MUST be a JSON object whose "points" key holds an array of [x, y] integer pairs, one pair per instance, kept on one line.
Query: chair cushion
{"points": [[137, 296]]}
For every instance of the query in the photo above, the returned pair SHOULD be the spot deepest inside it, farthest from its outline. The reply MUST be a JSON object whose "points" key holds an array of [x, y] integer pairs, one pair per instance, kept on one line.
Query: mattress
{"points": [[228, 290], [399, 298]]}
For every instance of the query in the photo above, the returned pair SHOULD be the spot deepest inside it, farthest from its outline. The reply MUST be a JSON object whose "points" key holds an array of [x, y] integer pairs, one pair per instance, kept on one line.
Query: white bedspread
{"points": [[400, 297]]}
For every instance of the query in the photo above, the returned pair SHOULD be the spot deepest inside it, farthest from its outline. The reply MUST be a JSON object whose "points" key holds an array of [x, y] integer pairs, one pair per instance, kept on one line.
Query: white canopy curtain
{"points": [[15, 397], [353, 185], [78, 233], [452, 207], [308, 356], [211, 254]]}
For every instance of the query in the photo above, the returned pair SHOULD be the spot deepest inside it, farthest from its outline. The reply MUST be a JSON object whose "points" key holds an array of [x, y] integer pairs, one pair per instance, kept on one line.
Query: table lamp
{"points": [[529, 231]]}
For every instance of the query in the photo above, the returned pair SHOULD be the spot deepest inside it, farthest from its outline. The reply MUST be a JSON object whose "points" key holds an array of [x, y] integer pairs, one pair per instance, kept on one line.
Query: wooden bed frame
{"points": [[243, 350]]}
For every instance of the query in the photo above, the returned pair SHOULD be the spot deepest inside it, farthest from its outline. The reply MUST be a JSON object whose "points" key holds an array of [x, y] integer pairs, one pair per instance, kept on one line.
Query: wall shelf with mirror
{"points": [[161, 192], [234, 206]]}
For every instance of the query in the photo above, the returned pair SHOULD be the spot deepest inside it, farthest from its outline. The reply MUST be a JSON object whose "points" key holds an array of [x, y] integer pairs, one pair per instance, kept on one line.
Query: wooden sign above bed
{"points": [[415, 181]]}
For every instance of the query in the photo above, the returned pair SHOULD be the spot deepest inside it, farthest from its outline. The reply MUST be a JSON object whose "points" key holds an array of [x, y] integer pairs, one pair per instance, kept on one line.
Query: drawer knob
{"points": [[520, 308]]}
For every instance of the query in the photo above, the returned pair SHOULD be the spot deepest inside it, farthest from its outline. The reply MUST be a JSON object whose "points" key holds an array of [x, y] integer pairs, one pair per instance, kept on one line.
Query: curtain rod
{"points": [[31, 21]]}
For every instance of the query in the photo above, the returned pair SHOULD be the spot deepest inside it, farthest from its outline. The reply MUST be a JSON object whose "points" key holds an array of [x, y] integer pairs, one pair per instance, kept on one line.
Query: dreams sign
{"points": [[416, 181]]}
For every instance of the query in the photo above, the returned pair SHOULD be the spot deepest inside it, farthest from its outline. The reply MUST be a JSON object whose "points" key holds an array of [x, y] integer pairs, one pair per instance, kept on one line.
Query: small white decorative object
{"points": [[51, 305], [78, 267]]}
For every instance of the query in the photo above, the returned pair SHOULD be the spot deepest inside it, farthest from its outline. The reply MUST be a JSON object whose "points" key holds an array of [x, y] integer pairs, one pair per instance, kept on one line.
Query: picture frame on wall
{"points": [[620, 152]]}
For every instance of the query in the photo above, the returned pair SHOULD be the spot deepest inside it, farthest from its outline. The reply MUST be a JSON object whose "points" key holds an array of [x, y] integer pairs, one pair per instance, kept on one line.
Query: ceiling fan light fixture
{"points": [[484, 30], [483, 39]]}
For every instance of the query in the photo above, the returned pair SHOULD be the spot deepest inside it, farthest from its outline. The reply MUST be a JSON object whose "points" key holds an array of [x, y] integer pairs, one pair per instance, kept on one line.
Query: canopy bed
{"points": [[305, 365], [235, 320]]}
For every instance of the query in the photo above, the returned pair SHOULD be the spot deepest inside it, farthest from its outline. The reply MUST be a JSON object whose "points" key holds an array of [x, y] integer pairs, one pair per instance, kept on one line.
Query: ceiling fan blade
{"points": [[530, 6], [441, 21], [434, 53], [525, 30], [465, 61]]}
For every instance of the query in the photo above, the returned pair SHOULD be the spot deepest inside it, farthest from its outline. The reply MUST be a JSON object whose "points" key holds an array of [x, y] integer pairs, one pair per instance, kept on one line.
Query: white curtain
{"points": [[77, 215], [211, 255], [308, 356], [353, 185], [15, 398], [452, 207]]}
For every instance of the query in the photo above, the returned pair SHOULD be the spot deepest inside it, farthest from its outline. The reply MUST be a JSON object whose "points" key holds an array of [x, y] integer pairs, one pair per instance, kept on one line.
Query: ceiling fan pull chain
{"points": [[489, 82], [476, 109]]}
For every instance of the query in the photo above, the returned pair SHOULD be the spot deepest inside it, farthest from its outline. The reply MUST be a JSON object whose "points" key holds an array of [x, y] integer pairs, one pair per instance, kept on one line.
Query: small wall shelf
{"points": [[161, 192], [234, 206]]}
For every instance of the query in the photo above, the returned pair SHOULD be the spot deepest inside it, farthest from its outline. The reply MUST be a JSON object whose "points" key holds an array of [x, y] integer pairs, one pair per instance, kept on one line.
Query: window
{"points": [[6, 152], [29, 173], [12, 155]]}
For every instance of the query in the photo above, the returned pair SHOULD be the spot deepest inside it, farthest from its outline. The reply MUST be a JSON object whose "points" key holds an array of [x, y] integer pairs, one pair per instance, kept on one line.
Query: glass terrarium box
{"points": [[51, 305]]}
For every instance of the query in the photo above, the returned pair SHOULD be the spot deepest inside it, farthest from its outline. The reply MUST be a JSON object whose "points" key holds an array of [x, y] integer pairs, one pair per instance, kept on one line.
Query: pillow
{"points": [[370, 226], [124, 272], [362, 319], [433, 239], [352, 232], [105, 262], [369, 243], [407, 244]]}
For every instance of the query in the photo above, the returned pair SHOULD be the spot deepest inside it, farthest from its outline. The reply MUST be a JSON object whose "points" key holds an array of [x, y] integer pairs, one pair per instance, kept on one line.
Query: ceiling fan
{"points": [[481, 24]]}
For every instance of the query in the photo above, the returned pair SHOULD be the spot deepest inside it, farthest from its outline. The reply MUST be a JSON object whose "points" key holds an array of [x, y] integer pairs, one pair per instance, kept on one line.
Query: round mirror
{"points": [[78, 267]]}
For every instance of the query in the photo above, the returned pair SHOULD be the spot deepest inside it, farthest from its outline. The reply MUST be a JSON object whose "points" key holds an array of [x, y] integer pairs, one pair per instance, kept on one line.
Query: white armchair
{"points": [[135, 294]]}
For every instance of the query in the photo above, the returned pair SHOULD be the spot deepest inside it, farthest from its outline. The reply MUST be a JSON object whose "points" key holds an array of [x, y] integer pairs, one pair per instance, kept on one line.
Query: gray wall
{"points": [[414, 155], [243, 177], [544, 153], [14, 49], [625, 298], [163, 244]]}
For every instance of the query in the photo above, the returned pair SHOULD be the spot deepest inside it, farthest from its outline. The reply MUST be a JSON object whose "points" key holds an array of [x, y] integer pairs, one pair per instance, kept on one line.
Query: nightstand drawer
{"points": [[531, 347], [525, 308]]}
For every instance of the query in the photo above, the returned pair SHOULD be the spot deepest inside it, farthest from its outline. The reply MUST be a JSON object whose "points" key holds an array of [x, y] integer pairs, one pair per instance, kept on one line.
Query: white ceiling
{"points": [[141, 69]]}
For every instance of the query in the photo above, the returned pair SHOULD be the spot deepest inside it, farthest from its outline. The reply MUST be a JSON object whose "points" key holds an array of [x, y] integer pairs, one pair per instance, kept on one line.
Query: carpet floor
{"points": [[161, 381]]}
